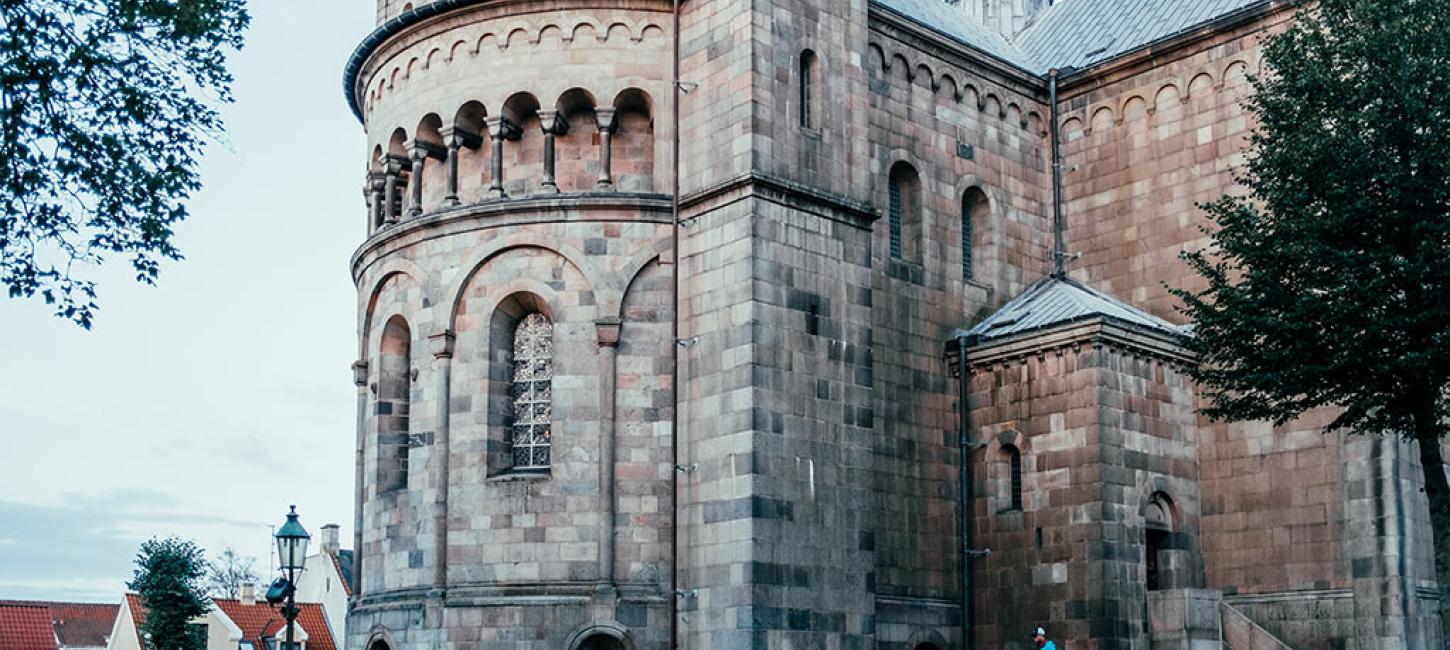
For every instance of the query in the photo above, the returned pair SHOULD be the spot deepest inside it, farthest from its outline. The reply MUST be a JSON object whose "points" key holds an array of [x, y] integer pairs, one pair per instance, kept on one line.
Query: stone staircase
{"points": [[1240, 633]]}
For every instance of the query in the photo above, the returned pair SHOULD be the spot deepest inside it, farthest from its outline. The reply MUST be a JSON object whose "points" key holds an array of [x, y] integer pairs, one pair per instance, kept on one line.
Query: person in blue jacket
{"points": [[1040, 636]]}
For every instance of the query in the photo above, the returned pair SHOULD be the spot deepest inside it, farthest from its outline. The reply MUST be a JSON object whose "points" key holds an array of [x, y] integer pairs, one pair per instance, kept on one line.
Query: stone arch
{"points": [[925, 638], [1071, 129], [455, 292], [1165, 97], [458, 46], [617, 29], [1034, 124], [924, 73], [1133, 108], [607, 629], [1200, 85], [401, 268], [611, 300], [634, 140], [432, 54], [975, 215], [523, 167], [992, 106], [1102, 119], [380, 638], [396, 359], [650, 30], [578, 147], [516, 307], [408, 69], [398, 142], [429, 137], [1236, 73], [1014, 116], [474, 154], [949, 82], [585, 28], [970, 96], [874, 54], [898, 61]]}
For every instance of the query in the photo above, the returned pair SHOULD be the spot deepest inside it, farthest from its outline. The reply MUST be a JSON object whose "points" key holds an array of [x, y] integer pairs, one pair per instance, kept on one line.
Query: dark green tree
{"points": [[1328, 284], [104, 108], [168, 578]]}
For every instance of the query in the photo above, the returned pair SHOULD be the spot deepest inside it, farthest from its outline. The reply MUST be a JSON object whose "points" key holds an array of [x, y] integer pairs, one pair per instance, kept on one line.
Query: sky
{"points": [[204, 407]]}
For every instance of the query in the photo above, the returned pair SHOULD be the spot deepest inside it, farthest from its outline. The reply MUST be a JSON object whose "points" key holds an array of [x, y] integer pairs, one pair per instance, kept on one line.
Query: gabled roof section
{"points": [[77, 625], [26, 627], [1072, 33], [258, 622], [1054, 301], [1080, 33], [343, 562]]}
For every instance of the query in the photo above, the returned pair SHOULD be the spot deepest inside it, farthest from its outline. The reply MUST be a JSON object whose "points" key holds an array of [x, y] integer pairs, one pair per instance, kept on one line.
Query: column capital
{"points": [[608, 331], [421, 149], [502, 127], [394, 163], [360, 373], [457, 136], [604, 117], [554, 122], [441, 344]]}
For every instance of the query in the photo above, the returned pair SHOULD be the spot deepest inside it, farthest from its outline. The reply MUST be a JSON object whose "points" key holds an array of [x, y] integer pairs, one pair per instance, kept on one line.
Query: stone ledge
{"points": [[495, 213]]}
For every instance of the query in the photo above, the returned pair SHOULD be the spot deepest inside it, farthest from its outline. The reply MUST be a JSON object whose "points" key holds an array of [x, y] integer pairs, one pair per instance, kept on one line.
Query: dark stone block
{"points": [[798, 619], [636, 616], [415, 559], [596, 246]]}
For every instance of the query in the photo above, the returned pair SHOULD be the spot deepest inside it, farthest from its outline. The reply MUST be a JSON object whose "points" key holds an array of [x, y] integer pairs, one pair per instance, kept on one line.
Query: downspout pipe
{"points": [[964, 442], [675, 227], [1059, 226]]}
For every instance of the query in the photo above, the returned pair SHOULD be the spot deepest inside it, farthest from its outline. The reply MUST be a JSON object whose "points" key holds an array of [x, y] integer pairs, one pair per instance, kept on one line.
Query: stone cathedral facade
{"points": [[773, 353]]}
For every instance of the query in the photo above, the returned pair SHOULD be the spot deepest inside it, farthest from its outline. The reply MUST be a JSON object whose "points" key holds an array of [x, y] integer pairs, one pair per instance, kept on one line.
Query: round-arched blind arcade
{"points": [[533, 375]]}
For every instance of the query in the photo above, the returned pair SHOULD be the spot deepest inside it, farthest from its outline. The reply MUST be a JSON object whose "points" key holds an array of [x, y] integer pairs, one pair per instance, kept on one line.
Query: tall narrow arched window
{"points": [[1157, 530], [1015, 468], [808, 81], [975, 209], [531, 428], [1009, 479], [904, 212], [395, 370]]}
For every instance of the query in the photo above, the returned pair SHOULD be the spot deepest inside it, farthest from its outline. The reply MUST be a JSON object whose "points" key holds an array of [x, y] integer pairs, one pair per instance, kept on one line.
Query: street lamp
{"points": [[292, 541]]}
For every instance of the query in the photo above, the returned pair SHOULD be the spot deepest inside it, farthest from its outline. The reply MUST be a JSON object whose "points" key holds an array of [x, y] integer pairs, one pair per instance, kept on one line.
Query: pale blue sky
{"points": [[203, 407]]}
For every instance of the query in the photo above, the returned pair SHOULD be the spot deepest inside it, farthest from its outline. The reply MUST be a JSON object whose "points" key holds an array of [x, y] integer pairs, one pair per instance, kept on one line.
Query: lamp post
{"points": [[292, 541]]}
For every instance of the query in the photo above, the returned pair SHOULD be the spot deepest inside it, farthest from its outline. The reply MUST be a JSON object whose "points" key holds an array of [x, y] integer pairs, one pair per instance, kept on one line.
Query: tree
{"points": [[1328, 285], [168, 579], [104, 108], [228, 572]]}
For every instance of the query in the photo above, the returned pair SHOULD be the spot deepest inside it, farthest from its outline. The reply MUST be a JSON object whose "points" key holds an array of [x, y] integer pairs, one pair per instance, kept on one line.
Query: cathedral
{"points": [[829, 324]]}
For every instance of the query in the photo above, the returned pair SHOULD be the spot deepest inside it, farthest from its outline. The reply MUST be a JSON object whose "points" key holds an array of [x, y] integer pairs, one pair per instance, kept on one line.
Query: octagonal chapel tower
{"points": [[514, 384]]}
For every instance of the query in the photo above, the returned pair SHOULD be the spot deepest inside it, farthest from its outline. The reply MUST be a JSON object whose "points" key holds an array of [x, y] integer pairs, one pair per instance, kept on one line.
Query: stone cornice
{"points": [[1097, 331], [364, 52], [494, 213], [783, 192]]}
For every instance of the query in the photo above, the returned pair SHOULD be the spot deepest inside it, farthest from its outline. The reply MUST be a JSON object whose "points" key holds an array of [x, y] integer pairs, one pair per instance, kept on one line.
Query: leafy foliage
{"points": [[168, 579], [228, 572], [1328, 285], [104, 108]]}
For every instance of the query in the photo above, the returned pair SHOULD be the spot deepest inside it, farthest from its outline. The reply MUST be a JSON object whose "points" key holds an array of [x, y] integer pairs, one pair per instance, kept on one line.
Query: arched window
{"points": [[904, 212], [974, 213], [601, 642], [395, 370], [1013, 458], [809, 100], [531, 430]]}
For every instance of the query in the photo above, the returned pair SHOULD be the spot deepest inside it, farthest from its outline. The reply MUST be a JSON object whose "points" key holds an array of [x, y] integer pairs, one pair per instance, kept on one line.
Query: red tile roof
{"points": [[26, 627], [75, 625], [260, 621]]}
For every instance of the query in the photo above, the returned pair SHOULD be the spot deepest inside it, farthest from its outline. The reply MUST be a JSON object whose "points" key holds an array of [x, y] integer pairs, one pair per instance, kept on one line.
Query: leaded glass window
{"points": [[893, 187], [533, 376]]}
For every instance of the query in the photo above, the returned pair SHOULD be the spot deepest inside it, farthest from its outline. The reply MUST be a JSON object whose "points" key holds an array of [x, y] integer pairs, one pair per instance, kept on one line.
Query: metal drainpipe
{"points": [[965, 443], [675, 336], [1059, 245]]}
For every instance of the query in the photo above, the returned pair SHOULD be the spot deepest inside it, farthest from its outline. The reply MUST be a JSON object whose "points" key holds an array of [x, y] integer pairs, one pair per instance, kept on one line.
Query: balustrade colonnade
{"points": [[523, 149]]}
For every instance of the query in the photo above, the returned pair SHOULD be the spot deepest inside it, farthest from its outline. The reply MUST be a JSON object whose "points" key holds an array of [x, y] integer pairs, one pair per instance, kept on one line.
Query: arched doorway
{"points": [[926, 646], [1157, 530], [601, 642]]}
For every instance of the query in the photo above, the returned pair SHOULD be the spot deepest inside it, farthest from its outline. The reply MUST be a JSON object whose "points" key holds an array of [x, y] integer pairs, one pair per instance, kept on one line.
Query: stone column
{"points": [[608, 332], [455, 138], [553, 123], [392, 167], [416, 156], [375, 201], [441, 345], [360, 379], [499, 129], [605, 119], [419, 151]]}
